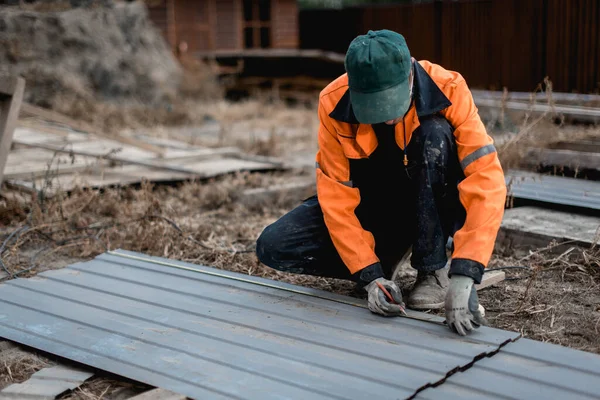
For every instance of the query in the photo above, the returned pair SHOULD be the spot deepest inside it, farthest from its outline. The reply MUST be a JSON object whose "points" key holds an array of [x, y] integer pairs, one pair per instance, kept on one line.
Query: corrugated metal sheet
{"points": [[554, 189], [207, 333], [525, 369], [215, 334]]}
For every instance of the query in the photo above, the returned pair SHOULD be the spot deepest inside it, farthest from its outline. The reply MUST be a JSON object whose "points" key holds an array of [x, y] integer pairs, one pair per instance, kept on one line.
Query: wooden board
{"points": [[85, 160], [50, 115], [10, 106], [46, 384], [590, 114], [28, 163], [159, 394], [525, 228], [585, 145], [563, 158], [34, 135], [131, 174], [297, 189], [490, 279]]}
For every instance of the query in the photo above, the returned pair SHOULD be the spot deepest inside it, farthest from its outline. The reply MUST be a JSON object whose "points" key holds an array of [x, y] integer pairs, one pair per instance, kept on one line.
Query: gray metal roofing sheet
{"points": [[208, 333], [553, 189], [526, 369]]}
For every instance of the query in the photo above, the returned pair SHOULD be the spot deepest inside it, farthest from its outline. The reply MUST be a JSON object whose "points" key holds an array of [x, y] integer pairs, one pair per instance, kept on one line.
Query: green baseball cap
{"points": [[378, 66]]}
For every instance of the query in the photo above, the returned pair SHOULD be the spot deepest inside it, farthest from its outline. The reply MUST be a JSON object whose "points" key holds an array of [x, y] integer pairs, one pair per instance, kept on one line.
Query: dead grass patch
{"points": [[556, 300], [533, 130], [17, 365], [100, 388]]}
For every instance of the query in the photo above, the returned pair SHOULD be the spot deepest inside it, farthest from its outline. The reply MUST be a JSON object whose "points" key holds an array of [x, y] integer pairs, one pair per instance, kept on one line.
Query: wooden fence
{"points": [[493, 43]]}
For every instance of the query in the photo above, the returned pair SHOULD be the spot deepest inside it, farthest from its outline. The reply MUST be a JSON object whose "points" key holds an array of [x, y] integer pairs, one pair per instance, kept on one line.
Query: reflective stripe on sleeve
{"points": [[477, 154]]}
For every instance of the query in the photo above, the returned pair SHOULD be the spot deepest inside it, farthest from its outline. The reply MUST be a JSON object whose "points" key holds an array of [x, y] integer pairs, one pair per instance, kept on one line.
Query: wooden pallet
{"points": [[61, 159]]}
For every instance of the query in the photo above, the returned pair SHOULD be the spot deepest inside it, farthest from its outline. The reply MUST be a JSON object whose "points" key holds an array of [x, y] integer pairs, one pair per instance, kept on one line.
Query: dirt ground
{"points": [[557, 299]]}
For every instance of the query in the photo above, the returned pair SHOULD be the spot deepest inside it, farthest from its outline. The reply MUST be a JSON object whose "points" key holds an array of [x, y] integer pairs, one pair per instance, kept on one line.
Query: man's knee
{"points": [[268, 247], [276, 248], [435, 140]]}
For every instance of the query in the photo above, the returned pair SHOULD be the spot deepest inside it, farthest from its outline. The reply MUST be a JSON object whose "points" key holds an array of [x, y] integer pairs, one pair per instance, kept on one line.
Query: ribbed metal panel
{"points": [[213, 334], [553, 189], [525, 369]]}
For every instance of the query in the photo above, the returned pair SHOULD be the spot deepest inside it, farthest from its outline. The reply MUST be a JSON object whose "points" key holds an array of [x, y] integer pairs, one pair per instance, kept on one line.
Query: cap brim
{"points": [[378, 107]]}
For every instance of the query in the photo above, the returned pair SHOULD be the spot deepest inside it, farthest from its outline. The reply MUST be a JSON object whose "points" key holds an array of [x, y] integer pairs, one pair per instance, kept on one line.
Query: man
{"points": [[404, 160]]}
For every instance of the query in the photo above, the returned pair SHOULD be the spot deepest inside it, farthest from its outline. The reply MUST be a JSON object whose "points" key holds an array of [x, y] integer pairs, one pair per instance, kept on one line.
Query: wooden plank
{"points": [[47, 384], [562, 158], [273, 53], [211, 168], [490, 279], [159, 394], [526, 228], [119, 159], [35, 135], [30, 163], [9, 86], [582, 113], [82, 143], [586, 146], [10, 107], [131, 174], [85, 127], [90, 178], [298, 190], [166, 142], [539, 96]]}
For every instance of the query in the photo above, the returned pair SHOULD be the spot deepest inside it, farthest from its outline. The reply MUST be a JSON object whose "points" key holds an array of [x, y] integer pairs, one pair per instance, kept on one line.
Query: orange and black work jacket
{"points": [[482, 192]]}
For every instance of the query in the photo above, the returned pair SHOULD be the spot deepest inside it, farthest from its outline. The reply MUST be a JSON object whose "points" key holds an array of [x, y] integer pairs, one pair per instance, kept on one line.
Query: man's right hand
{"points": [[378, 302]]}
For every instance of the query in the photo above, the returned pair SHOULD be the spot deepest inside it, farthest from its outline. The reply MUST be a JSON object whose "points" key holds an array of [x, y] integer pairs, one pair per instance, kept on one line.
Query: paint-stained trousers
{"points": [[415, 205]]}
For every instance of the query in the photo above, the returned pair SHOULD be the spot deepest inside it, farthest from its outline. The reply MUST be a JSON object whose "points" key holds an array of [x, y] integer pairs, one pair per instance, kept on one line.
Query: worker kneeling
{"points": [[403, 161]]}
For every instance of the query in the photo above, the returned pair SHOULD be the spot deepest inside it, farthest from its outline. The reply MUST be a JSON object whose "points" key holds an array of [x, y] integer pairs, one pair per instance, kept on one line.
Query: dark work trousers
{"points": [[415, 205]]}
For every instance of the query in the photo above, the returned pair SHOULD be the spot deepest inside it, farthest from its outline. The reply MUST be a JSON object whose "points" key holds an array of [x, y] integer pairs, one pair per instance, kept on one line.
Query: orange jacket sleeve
{"points": [[482, 192], [338, 200]]}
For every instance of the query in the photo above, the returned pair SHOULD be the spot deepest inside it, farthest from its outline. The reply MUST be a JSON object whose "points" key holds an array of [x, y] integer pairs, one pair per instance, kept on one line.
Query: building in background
{"points": [[201, 26], [495, 44]]}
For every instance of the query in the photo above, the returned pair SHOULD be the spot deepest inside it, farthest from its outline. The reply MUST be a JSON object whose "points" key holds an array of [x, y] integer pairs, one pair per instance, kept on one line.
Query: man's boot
{"points": [[429, 291]]}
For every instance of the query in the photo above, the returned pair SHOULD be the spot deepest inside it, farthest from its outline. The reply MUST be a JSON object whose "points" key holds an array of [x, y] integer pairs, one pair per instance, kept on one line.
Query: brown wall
{"points": [[493, 43], [218, 24], [227, 27], [193, 24], [284, 25]]}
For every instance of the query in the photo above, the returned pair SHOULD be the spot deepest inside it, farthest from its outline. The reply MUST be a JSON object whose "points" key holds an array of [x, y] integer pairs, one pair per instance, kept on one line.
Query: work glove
{"points": [[379, 303], [462, 306]]}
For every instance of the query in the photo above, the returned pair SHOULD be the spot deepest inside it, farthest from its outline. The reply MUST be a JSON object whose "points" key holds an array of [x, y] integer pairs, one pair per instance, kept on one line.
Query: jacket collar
{"points": [[427, 98]]}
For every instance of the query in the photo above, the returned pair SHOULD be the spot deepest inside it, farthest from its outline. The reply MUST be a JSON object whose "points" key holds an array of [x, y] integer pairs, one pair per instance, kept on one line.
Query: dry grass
{"points": [[556, 300], [197, 222], [17, 365], [533, 129], [101, 388]]}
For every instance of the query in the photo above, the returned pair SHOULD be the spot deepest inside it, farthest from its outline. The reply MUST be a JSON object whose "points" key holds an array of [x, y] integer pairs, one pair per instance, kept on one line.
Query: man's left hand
{"points": [[462, 306]]}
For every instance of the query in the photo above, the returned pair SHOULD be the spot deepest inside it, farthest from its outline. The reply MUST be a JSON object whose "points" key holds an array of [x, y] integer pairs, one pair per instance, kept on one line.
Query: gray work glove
{"points": [[462, 306], [378, 302]]}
